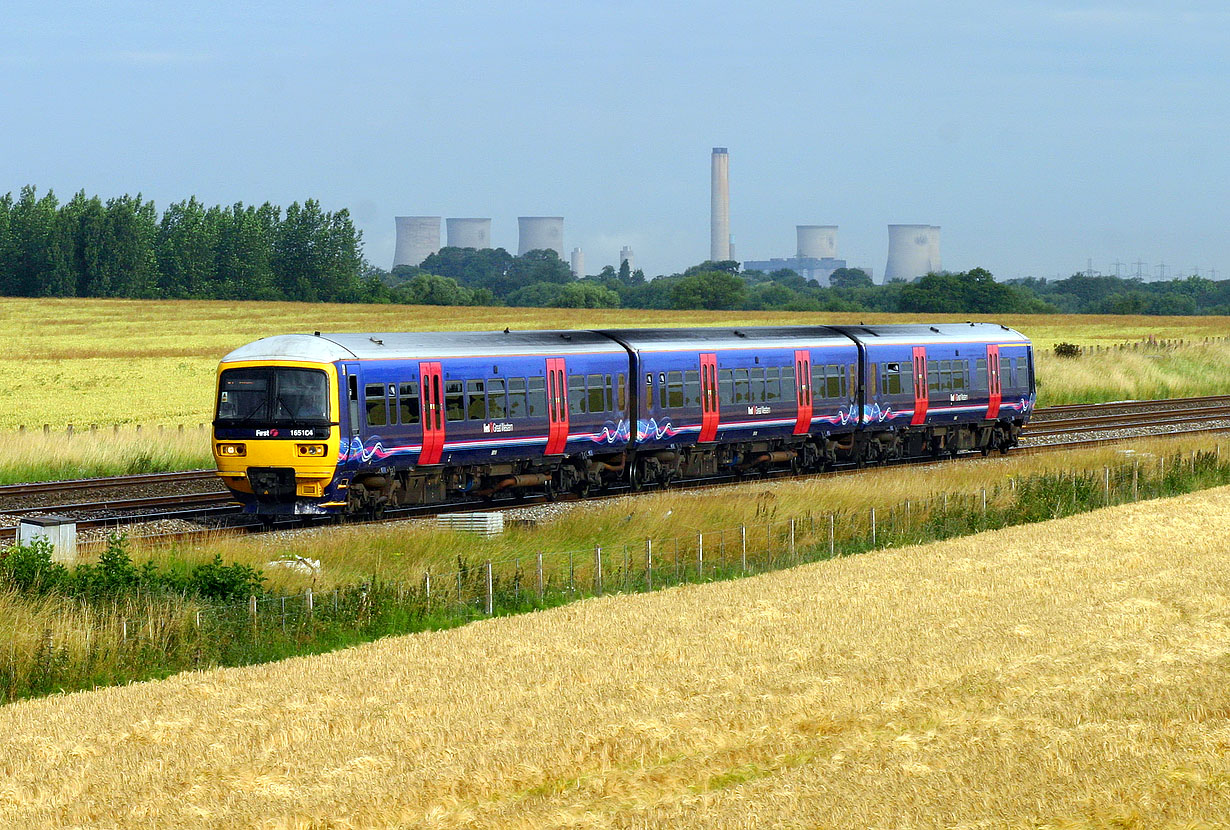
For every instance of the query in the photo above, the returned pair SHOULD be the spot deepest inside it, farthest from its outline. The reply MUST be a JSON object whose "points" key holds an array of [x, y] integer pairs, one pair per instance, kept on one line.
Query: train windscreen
{"points": [[258, 396]]}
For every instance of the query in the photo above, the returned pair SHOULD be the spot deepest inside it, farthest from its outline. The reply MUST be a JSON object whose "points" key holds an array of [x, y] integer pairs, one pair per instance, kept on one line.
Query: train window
{"points": [[576, 394], [408, 396], [496, 404], [772, 384], [622, 400], [454, 400], [597, 402], [789, 390], [755, 392], [817, 381], [691, 388], [980, 373], [377, 405], [726, 385], [835, 382], [476, 401], [741, 386], [649, 391], [536, 397], [516, 398], [610, 394], [933, 375], [959, 371], [674, 390]]}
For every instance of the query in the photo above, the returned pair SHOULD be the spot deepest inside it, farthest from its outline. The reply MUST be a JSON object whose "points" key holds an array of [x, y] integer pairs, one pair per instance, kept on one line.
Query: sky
{"points": [[1038, 135]]}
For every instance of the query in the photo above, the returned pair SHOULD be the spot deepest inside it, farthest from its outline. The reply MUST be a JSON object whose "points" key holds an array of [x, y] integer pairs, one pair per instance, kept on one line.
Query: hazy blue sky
{"points": [[1038, 134]]}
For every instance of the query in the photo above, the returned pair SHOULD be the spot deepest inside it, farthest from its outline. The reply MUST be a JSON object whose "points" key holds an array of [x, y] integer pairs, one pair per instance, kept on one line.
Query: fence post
{"points": [[427, 586], [984, 501], [792, 548], [490, 598], [700, 555], [124, 630], [1136, 481], [598, 570], [649, 564], [198, 618], [1106, 483], [538, 568], [309, 601], [572, 587], [832, 535], [252, 609], [873, 527], [743, 547]]}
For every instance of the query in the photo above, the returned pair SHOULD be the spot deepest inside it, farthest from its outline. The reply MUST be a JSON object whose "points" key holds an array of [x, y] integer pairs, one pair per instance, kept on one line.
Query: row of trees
{"points": [[86, 247], [123, 247]]}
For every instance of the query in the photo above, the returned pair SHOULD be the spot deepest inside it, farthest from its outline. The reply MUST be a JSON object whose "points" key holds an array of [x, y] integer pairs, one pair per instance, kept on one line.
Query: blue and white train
{"points": [[348, 423]]}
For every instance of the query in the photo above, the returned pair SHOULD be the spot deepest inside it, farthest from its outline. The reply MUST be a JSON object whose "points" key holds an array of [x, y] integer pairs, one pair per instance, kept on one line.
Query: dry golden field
{"points": [[1070, 674], [152, 362]]}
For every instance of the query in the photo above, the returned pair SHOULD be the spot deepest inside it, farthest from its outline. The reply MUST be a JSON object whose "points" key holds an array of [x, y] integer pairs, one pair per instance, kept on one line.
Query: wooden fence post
{"points": [[793, 551], [832, 535], [490, 597], [649, 564], [427, 586], [309, 601], [538, 568], [873, 527], [700, 556], [598, 570], [743, 546]]}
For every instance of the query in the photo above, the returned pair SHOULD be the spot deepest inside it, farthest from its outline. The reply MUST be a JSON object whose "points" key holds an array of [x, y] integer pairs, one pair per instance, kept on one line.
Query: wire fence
{"points": [[488, 587]]}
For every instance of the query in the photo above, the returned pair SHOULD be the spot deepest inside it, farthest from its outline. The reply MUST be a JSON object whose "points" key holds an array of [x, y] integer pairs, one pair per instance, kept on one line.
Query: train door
{"points": [[710, 406], [557, 406], [802, 391], [920, 386], [993, 384], [432, 385]]}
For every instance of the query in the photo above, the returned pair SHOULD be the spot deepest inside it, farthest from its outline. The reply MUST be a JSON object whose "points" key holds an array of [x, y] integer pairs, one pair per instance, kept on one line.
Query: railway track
{"points": [[1064, 424]]}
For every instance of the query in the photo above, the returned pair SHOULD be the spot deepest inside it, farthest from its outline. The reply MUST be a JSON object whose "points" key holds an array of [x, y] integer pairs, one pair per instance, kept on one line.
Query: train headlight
{"points": [[311, 450], [232, 449]]}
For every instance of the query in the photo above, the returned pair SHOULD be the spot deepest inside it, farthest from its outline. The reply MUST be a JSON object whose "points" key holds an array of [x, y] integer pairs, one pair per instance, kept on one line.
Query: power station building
{"points": [[913, 251], [469, 233], [540, 233], [816, 257], [418, 237]]}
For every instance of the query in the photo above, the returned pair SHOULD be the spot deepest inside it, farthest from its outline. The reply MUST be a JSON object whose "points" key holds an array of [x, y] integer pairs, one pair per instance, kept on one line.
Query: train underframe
{"points": [[372, 493]]}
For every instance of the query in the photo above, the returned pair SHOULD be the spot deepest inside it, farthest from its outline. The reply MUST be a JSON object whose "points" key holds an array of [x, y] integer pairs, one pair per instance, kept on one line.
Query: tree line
{"points": [[124, 247]]}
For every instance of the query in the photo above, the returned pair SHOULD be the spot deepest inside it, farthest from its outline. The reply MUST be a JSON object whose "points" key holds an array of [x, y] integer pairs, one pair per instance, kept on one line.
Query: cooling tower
{"points": [[418, 237], [817, 241], [541, 233], [719, 210], [625, 255], [468, 233], [578, 263], [910, 251], [933, 250]]}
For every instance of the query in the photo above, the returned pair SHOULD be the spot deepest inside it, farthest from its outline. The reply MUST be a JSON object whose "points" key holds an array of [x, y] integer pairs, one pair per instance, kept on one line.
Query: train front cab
{"points": [[277, 435]]}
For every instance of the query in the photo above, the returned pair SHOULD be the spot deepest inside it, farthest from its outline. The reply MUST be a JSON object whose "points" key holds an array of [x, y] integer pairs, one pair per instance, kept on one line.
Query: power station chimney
{"points": [[468, 233], [578, 263], [719, 223], [418, 237], [817, 241], [541, 233], [625, 255], [910, 251]]}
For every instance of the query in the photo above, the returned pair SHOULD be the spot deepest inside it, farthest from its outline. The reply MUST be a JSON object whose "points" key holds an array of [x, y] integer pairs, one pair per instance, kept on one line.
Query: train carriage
{"points": [[348, 423]]}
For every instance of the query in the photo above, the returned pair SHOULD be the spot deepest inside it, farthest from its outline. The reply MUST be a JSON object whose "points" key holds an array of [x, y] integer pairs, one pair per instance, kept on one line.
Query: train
{"points": [[356, 423]]}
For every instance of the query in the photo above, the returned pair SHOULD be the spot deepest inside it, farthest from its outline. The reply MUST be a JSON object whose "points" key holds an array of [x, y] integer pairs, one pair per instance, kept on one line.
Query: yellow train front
{"points": [[277, 434]]}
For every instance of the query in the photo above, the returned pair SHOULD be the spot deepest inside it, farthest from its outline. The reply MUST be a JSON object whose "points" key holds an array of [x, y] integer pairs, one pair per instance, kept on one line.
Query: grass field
{"points": [[401, 552], [1069, 674], [132, 361]]}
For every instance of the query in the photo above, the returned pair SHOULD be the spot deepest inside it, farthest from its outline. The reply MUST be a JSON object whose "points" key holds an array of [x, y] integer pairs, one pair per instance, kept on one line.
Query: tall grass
{"points": [[35, 456], [447, 594], [1067, 674]]}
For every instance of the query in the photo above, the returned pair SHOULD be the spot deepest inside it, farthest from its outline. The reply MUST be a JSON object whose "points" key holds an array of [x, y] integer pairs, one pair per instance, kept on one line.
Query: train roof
{"points": [[327, 348], [919, 334], [750, 337]]}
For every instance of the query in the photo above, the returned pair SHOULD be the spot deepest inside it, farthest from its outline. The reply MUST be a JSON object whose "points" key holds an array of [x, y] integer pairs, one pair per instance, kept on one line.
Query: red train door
{"points": [[432, 416], [710, 406], [920, 386], [993, 387], [802, 391], [557, 406]]}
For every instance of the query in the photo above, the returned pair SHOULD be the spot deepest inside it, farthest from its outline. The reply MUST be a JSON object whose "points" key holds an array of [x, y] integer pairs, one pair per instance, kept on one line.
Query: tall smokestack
{"points": [[719, 226], [578, 263], [418, 237], [626, 255]]}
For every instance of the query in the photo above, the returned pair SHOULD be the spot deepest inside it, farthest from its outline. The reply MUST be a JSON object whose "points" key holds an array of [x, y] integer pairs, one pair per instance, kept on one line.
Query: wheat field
{"points": [[151, 362], [1070, 674]]}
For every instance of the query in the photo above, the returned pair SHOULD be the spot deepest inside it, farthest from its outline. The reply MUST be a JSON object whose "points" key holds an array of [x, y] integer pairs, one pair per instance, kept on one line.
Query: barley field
{"points": [[1070, 674], [105, 362]]}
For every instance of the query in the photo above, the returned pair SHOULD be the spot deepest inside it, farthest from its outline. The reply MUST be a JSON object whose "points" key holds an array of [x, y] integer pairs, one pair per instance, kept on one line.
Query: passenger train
{"points": [[311, 424]]}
